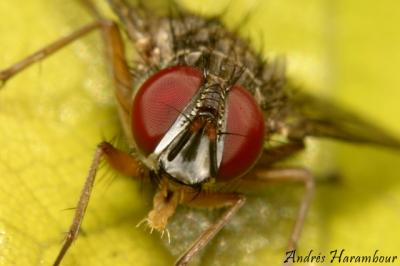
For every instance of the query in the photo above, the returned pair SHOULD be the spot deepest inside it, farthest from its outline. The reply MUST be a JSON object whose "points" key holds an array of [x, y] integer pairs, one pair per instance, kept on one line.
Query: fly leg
{"points": [[119, 161], [280, 152], [114, 49], [264, 174], [261, 176], [232, 201], [115, 52], [46, 51]]}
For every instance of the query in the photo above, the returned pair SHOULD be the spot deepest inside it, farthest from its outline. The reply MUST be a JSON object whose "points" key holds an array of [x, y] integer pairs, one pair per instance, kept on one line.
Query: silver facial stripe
{"points": [[189, 171], [192, 164]]}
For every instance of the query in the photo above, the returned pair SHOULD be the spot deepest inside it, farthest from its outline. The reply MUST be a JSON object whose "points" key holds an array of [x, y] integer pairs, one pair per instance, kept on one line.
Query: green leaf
{"points": [[53, 114]]}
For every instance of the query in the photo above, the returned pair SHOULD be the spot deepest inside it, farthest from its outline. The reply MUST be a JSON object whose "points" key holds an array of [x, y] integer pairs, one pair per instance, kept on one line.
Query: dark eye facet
{"points": [[244, 137], [159, 102]]}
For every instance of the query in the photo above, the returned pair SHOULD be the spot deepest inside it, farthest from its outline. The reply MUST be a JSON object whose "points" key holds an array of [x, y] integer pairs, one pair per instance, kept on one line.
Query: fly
{"points": [[216, 104]]}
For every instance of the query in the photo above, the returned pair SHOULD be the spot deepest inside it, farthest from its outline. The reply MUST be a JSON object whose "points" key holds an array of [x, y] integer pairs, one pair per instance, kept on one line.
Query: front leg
{"points": [[119, 161], [114, 49], [232, 201]]}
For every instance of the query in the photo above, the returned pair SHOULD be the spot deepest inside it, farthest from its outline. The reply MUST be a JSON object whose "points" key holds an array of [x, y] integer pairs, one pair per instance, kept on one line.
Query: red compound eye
{"points": [[159, 102], [245, 138]]}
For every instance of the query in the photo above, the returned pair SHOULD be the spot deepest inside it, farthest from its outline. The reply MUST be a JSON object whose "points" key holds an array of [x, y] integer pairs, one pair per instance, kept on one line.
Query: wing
{"points": [[307, 115]]}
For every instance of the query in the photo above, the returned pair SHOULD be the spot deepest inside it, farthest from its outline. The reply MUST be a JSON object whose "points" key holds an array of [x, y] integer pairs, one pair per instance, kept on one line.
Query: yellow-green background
{"points": [[53, 115]]}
